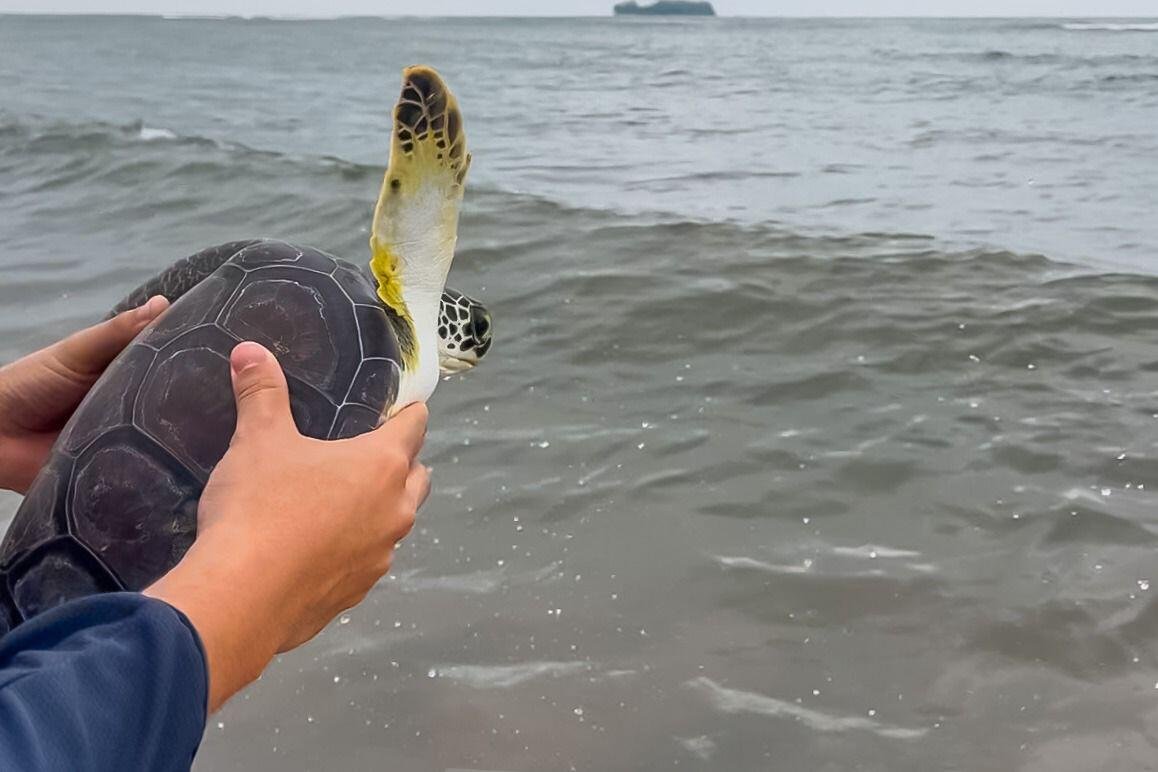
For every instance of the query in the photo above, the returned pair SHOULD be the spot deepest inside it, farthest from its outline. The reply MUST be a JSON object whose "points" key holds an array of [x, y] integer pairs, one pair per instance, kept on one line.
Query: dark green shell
{"points": [[116, 505]]}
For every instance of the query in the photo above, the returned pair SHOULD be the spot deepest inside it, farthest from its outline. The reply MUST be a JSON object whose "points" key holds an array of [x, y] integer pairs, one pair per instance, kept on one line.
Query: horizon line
{"points": [[336, 17]]}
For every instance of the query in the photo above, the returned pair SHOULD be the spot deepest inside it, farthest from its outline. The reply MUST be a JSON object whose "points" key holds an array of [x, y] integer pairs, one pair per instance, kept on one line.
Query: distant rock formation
{"points": [[665, 8]]}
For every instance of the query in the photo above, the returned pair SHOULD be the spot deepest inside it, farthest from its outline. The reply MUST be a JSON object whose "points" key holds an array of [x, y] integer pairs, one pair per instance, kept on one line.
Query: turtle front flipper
{"points": [[183, 275]]}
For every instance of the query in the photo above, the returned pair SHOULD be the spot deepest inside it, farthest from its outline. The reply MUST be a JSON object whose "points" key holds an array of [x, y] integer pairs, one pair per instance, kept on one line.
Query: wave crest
{"points": [[1111, 27]]}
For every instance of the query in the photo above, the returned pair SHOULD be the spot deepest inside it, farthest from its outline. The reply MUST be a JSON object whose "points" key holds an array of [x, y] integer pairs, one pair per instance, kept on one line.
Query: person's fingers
{"points": [[406, 430], [418, 484], [88, 352], [260, 389]]}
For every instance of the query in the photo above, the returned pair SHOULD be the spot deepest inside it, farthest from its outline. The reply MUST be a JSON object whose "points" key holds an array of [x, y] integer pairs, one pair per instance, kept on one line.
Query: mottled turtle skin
{"points": [[115, 507]]}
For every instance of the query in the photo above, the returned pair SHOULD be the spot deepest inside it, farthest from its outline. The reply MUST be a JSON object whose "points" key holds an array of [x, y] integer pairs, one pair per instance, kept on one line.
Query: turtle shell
{"points": [[115, 507]]}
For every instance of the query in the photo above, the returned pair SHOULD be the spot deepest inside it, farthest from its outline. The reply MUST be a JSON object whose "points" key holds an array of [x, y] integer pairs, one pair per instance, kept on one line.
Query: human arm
{"points": [[109, 682], [291, 530]]}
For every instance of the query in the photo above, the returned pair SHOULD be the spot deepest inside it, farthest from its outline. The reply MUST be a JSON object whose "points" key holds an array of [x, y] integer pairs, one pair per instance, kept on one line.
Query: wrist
{"points": [[233, 610]]}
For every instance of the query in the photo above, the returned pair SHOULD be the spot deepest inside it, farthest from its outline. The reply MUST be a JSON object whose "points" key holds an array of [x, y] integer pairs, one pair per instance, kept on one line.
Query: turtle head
{"points": [[415, 225], [464, 332]]}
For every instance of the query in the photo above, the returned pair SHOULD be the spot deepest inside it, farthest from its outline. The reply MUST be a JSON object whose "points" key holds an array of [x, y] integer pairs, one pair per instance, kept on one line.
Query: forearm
{"points": [[111, 682], [229, 600]]}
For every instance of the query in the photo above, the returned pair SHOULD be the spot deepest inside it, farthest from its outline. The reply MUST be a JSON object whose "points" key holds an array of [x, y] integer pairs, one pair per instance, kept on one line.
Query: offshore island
{"points": [[665, 8]]}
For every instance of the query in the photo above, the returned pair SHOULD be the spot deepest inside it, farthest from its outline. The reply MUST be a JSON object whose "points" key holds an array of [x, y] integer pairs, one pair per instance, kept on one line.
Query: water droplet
{"points": [[343, 620], [1143, 584], [432, 673], [578, 711]]}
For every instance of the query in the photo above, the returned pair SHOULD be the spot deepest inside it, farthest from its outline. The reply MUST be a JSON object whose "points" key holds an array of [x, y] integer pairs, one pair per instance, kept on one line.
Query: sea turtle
{"points": [[115, 506]]}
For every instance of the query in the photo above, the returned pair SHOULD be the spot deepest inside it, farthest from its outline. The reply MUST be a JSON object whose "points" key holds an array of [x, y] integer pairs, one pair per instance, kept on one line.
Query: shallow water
{"points": [[820, 428]]}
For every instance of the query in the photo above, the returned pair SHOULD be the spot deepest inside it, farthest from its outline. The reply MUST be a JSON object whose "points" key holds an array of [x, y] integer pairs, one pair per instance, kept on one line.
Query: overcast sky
{"points": [[1099, 8]]}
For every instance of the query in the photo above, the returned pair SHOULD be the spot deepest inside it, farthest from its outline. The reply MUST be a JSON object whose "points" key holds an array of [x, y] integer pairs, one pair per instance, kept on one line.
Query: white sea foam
{"points": [[1082, 494], [475, 583], [149, 134], [1111, 27], [702, 746], [614, 674], [807, 565], [739, 561], [872, 551], [506, 676], [737, 701]]}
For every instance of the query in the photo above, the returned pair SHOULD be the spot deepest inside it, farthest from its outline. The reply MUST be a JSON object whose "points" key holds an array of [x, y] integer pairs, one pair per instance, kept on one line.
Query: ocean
{"points": [[820, 431]]}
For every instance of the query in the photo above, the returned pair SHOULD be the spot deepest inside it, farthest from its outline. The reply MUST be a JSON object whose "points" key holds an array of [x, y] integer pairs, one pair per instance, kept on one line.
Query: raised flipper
{"points": [[183, 275]]}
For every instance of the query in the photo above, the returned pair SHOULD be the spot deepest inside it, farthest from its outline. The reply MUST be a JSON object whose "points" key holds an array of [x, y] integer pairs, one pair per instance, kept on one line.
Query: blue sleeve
{"points": [[109, 682]]}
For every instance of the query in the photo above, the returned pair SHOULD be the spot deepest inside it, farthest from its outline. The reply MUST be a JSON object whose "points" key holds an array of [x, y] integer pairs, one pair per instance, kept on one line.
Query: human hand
{"points": [[291, 530], [39, 393]]}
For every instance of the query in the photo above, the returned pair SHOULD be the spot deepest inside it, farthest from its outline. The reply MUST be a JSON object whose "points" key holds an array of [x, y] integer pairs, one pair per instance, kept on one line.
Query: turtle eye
{"points": [[395, 184], [480, 322]]}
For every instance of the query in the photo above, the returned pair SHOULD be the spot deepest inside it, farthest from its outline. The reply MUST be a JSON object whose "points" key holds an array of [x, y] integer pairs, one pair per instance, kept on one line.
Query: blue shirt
{"points": [[110, 682]]}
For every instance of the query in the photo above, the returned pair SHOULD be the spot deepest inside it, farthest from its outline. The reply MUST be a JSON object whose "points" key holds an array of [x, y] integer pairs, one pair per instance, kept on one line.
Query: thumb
{"points": [[260, 389], [87, 353]]}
